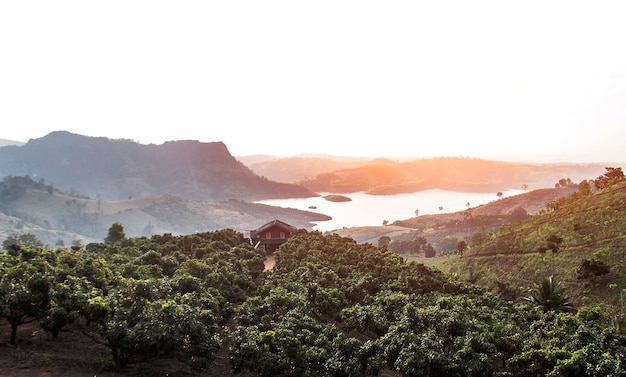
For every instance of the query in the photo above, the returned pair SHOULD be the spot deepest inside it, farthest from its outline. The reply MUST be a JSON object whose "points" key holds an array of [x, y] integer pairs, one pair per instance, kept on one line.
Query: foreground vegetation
{"points": [[330, 306], [333, 307], [149, 297]]}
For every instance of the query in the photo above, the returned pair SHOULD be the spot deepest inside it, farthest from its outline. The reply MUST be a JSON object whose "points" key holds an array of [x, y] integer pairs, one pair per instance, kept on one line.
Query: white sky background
{"points": [[526, 81]]}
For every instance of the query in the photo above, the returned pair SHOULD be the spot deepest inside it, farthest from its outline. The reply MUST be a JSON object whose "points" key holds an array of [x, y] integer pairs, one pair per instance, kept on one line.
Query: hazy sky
{"points": [[524, 80]]}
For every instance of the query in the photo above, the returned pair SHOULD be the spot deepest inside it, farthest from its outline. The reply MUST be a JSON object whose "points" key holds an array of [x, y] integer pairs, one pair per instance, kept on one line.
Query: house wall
{"points": [[275, 233]]}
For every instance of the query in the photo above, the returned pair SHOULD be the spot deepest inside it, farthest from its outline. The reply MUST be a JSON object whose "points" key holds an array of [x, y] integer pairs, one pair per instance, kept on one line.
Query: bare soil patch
{"points": [[76, 354]]}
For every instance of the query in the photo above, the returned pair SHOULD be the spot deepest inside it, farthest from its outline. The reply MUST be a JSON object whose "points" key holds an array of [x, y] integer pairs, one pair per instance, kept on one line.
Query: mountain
{"points": [[5, 142], [33, 207], [300, 167], [386, 177], [122, 169]]}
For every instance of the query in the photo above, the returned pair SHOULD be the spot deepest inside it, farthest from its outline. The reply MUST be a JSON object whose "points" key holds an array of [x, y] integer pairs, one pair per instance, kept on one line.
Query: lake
{"points": [[367, 210]]}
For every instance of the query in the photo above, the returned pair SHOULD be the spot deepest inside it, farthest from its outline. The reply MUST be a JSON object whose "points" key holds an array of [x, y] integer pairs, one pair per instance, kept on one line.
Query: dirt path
{"points": [[269, 262]]}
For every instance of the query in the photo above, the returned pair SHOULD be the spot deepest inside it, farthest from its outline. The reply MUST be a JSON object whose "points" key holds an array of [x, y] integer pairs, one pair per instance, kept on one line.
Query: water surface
{"points": [[366, 210]]}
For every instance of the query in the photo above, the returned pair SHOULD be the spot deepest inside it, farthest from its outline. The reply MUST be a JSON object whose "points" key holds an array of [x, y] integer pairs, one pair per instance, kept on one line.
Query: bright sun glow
{"points": [[540, 81]]}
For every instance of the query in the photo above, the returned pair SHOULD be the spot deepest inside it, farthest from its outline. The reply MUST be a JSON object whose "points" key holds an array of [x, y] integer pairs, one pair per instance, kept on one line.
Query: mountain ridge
{"points": [[387, 177], [120, 169]]}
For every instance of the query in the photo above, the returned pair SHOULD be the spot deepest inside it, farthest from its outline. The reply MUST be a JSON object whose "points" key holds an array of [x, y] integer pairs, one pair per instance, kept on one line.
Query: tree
{"points": [[116, 234], [384, 241], [409, 247], [451, 337], [610, 177], [549, 295], [584, 187], [25, 293], [553, 243], [499, 194], [519, 213], [77, 244], [591, 267], [429, 251], [57, 318], [417, 212], [296, 345], [461, 246], [144, 319], [68, 300], [13, 241]]}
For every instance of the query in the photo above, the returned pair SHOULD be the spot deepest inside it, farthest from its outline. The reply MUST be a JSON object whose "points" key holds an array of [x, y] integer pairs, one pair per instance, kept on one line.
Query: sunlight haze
{"points": [[524, 81]]}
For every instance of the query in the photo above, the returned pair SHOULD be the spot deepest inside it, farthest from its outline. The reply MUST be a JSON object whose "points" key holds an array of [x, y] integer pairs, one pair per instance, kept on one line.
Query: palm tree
{"points": [[548, 294]]}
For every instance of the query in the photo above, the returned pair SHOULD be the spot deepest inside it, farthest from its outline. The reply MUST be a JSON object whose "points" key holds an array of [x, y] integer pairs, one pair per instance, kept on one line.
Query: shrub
{"points": [[590, 267]]}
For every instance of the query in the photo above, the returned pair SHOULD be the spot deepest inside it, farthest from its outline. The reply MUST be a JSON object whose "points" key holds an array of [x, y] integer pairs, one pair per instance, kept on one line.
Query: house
{"points": [[271, 235]]}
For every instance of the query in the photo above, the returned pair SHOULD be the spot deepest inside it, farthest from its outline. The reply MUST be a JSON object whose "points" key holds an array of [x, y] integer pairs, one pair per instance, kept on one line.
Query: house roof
{"points": [[273, 223]]}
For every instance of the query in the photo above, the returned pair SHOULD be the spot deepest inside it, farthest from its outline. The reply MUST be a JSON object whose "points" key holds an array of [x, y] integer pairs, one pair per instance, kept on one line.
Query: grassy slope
{"points": [[592, 227]]}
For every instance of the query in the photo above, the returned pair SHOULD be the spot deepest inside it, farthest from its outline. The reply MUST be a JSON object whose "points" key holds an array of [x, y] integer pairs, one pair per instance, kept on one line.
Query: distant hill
{"points": [[300, 167], [33, 207], [385, 177], [5, 142], [122, 169]]}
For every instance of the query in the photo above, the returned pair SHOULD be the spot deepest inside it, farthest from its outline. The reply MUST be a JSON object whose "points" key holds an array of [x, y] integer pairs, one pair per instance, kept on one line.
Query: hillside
{"points": [[582, 220], [31, 207], [385, 177], [122, 169], [570, 240]]}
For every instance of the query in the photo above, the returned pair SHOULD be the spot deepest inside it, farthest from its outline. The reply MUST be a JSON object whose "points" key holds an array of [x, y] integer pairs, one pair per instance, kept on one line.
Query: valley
{"points": [[178, 290], [81, 185]]}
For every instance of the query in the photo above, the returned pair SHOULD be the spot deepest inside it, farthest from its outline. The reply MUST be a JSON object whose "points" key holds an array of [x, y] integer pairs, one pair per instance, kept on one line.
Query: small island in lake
{"points": [[337, 198]]}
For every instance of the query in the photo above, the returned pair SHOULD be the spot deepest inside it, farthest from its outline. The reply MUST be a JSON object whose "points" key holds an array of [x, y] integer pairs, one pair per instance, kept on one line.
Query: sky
{"points": [[540, 81]]}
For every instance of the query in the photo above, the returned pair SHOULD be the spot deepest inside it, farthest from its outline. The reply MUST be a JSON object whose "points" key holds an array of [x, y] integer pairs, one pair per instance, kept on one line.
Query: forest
{"points": [[329, 307]]}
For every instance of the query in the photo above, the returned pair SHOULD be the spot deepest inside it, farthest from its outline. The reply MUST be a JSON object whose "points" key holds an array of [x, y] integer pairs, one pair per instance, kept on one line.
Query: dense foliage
{"points": [[329, 307], [333, 307], [150, 297]]}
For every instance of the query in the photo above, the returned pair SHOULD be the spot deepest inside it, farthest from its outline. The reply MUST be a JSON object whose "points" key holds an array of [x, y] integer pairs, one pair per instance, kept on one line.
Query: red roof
{"points": [[271, 224]]}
